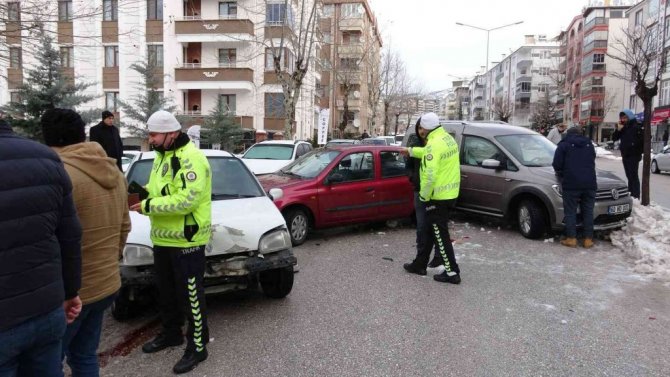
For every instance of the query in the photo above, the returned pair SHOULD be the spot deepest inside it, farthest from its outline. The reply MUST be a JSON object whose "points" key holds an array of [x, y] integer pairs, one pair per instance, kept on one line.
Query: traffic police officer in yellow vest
{"points": [[179, 206], [440, 176]]}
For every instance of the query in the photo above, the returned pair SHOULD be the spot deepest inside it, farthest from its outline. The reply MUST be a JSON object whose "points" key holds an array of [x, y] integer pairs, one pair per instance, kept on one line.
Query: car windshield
{"points": [[269, 152], [311, 164], [230, 178], [529, 150]]}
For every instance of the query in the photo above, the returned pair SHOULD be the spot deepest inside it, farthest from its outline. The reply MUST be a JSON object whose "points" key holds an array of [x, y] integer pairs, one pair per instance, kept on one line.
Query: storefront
{"points": [[659, 122]]}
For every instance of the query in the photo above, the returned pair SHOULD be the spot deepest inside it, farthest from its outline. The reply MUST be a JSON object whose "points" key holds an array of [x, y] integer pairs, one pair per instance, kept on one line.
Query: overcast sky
{"points": [[434, 47]]}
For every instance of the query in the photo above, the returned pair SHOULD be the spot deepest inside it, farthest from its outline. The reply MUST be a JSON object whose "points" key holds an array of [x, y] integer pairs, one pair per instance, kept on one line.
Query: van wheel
{"points": [[122, 308], [277, 283], [654, 167], [531, 219], [298, 225]]}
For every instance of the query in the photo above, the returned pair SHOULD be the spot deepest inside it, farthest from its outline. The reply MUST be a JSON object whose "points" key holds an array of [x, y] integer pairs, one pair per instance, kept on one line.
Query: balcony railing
{"points": [[594, 22], [214, 74], [595, 44], [214, 26], [200, 65], [199, 17], [593, 90]]}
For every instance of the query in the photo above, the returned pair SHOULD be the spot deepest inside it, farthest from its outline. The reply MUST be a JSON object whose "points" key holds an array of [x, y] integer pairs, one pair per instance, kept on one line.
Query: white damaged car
{"points": [[250, 242]]}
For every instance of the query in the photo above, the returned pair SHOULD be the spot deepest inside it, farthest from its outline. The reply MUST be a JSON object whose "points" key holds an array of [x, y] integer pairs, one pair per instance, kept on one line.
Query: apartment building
{"points": [[477, 95], [205, 50], [591, 95], [350, 55]]}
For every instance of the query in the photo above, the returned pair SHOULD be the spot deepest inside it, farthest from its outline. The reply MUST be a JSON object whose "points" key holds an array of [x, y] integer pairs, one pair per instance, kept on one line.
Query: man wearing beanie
{"points": [[631, 143], [440, 178], [107, 135], [575, 165], [179, 206], [40, 254], [100, 196]]}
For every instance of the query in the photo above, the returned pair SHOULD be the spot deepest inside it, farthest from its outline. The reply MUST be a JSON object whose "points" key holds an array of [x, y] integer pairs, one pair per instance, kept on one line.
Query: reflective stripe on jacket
{"points": [[440, 166], [180, 202]]}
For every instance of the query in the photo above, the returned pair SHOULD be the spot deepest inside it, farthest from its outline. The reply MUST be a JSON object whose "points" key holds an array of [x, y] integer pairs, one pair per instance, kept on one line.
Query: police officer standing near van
{"points": [[440, 176], [179, 206]]}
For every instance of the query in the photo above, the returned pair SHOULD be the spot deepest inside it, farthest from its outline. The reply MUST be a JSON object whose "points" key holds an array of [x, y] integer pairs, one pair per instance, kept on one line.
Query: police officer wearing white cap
{"points": [[179, 206]]}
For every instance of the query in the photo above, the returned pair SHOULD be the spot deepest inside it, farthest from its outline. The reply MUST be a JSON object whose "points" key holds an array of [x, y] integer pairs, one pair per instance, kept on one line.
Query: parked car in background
{"points": [[661, 161], [250, 241], [376, 141], [335, 142], [342, 185], [506, 172], [127, 158], [271, 155], [397, 140]]}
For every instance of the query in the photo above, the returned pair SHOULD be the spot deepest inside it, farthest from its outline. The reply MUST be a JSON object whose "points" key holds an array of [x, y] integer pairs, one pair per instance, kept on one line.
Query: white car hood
{"points": [[258, 166], [237, 225]]}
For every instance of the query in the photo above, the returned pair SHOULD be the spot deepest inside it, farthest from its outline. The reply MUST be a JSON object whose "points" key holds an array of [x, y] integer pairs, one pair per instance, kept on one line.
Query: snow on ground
{"points": [[604, 153], [646, 238]]}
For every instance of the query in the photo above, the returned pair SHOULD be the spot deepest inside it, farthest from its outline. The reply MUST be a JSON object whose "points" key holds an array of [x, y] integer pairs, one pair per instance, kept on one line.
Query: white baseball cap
{"points": [[163, 122], [429, 121]]}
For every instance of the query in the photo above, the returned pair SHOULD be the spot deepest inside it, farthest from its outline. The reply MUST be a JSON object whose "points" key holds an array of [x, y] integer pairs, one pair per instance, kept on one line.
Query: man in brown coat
{"points": [[101, 198]]}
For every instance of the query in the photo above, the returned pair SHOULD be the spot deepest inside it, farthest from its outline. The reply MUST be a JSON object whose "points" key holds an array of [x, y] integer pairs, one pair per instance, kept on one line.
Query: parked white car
{"points": [[250, 241], [127, 158], [661, 161], [269, 156]]}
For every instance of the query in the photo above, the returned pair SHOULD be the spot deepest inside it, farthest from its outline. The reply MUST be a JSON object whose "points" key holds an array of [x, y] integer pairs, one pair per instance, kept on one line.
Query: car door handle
{"points": [[463, 176], [369, 189], [508, 179]]}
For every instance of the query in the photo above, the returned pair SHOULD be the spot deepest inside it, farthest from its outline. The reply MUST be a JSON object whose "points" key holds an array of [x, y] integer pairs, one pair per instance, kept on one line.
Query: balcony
{"points": [[276, 30], [351, 23], [600, 44], [594, 22], [214, 78], [524, 78], [354, 50], [354, 104], [14, 78], [525, 63], [193, 29], [593, 91]]}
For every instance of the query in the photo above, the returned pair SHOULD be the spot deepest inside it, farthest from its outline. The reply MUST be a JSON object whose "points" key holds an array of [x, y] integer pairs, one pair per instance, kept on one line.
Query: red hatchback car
{"points": [[342, 185]]}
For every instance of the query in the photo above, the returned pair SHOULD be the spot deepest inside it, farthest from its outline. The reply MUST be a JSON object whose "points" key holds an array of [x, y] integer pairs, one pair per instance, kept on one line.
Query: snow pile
{"points": [[604, 153], [646, 238]]}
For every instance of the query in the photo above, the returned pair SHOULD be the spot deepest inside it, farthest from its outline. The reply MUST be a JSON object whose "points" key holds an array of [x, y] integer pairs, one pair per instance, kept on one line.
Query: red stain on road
{"points": [[131, 341]]}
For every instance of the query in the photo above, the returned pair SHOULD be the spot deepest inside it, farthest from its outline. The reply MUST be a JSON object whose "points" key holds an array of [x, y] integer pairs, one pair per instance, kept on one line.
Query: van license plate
{"points": [[615, 210]]}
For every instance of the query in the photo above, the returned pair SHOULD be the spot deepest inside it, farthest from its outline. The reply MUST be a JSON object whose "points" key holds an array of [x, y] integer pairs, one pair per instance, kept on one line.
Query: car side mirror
{"points": [[491, 164], [276, 194], [334, 178]]}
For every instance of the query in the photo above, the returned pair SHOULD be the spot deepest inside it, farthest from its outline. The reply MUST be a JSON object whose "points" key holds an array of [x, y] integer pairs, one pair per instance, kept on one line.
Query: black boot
{"points": [[444, 278], [189, 361], [436, 262], [161, 342], [412, 268]]}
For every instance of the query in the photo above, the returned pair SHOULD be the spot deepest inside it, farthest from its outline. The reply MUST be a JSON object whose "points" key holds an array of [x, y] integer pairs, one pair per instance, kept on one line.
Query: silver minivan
{"points": [[506, 172]]}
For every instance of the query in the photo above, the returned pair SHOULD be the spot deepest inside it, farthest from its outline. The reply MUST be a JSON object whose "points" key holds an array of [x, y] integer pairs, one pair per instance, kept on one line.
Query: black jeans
{"points": [[631, 165], [424, 238], [437, 219], [179, 277]]}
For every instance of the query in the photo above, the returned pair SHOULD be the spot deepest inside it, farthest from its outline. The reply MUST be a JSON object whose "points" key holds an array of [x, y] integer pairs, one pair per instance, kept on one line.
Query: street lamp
{"points": [[487, 36]]}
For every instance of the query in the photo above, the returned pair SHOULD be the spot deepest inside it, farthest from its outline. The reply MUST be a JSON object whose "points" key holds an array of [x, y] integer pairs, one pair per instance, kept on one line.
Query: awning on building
{"points": [[660, 115]]}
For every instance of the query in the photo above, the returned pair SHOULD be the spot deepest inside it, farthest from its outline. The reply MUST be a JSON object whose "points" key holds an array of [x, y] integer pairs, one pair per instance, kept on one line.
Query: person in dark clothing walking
{"points": [[423, 232], [665, 136], [40, 273], [107, 135], [575, 165], [631, 142]]}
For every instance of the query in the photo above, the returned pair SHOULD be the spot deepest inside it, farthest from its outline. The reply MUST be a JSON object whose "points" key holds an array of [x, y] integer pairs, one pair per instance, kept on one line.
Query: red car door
{"points": [[394, 191], [348, 193]]}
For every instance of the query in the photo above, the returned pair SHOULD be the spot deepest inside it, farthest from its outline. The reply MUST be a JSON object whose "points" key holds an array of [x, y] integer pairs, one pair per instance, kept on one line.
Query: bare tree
{"points": [[374, 86], [393, 78], [291, 65], [641, 52], [502, 109], [544, 113]]}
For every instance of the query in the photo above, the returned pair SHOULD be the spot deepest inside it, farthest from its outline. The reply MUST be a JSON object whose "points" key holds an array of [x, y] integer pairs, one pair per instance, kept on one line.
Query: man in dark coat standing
{"points": [[631, 142], [575, 165], [106, 134], [40, 273]]}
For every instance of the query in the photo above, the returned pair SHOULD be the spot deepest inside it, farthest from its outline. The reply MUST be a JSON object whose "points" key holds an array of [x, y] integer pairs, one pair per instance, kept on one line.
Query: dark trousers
{"points": [[631, 166], [437, 219], [424, 234], [586, 199], [179, 277]]}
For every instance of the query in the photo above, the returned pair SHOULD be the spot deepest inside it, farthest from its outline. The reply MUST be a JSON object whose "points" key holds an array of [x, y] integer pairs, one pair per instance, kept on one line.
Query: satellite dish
{"points": [[357, 123], [357, 94]]}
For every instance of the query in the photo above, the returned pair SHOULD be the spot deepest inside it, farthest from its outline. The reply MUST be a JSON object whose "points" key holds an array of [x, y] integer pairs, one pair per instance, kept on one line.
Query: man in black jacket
{"points": [[631, 142], [40, 273], [575, 165], [107, 135]]}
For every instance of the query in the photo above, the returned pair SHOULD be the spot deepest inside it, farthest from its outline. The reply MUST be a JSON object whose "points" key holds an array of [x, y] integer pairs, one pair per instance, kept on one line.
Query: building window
{"points": [[598, 58], [664, 98], [13, 11], [111, 101], [155, 55], [229, 103], [154, 9], [525, 87], [638, 17], [110, 10], [111, 56], [351, 10], [227, 57], [544, 71], [14, 57], [328, 10], [274, 105], [67, 57], [14, 97], [543, 88], [276, 14], [269, 59], [65, 10], [228, 9]]}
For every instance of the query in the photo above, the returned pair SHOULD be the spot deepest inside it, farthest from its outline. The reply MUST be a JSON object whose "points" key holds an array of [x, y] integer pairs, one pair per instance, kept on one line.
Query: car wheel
{"points": [[277, 283], [654, 167], [298, 225], [122, 310], [531, 219]]}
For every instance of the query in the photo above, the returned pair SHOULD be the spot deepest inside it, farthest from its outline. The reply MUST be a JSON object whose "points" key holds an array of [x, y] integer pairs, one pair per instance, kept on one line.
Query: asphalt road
{"points": [[525, 308], [659, 189]]}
